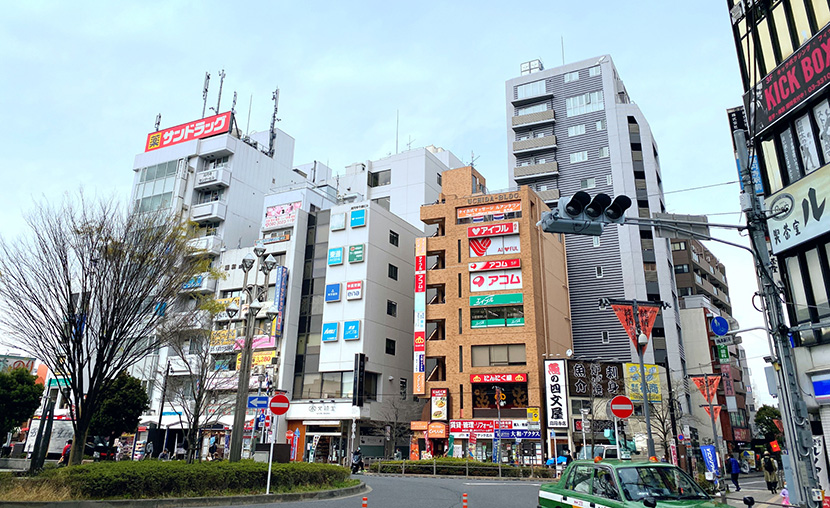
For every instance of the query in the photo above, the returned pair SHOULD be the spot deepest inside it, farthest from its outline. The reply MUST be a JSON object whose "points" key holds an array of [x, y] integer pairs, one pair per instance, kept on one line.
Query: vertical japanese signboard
{"points": [[280, 293], [556, 398], [419, 340], [633, 384]]}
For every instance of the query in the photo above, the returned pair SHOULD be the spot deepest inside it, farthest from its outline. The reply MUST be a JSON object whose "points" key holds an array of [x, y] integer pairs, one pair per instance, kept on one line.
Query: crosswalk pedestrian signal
{"points": [[582, 215]]}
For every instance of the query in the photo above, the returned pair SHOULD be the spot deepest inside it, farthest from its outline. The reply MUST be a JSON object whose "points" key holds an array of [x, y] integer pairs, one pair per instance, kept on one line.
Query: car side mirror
{"points": [[649, 502], [749, 500]]}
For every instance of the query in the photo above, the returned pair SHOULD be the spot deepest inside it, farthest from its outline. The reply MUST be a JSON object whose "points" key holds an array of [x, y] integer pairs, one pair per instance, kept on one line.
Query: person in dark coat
{"points": [[770, 468], [733, 467]]}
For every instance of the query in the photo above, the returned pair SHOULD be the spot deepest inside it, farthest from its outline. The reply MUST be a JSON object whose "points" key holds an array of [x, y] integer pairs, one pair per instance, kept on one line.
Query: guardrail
{"points": [[464, 468]]}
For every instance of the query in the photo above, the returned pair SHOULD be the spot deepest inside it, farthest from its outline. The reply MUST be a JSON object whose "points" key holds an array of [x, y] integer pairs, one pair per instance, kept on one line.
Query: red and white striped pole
{"points": [[464, 500], [365, 502]]}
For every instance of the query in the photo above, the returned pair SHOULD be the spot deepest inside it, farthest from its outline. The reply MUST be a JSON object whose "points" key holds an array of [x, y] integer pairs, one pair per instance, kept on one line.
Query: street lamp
{"points": [[642, 342], [253, 296]]}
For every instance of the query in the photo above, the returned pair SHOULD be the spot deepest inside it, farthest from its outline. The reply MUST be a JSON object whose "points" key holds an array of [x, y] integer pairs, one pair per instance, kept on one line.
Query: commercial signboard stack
{"points": [[419, 340]]}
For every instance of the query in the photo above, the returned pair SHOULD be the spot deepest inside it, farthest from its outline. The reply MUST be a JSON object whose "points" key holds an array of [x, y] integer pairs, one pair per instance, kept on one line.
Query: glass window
{"points": [[600, 125], [331, 384], [391, 308], [587, 183], [516, 354], [802, 25], [790, 157], [580, 479], [584, 103], [604, 484], [802, 312], [599, 272], [597, 241], [536, 108], [530, 89], [821, 113], [603, 152], [571, 76], [658, 482], [498, 355], [576, 130], [579, 156], [390, 347], [817, 282], [681, 268], [807, 144], [380, 178], [370, 385], [480, 355], [766, 47], [392, 272], [594, 71], [782, 28], [394, 238], [773, 170]]}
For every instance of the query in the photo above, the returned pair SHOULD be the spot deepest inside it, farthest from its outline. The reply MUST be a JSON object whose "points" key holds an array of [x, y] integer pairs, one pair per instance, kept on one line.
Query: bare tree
{"points": [[395, 413], [85, 290], [198, 391]]}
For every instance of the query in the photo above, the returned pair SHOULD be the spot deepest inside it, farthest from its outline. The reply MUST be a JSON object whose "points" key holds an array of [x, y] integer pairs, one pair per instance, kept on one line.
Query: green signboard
{"points": [[723, 354], [508, 299], [356, 253]]}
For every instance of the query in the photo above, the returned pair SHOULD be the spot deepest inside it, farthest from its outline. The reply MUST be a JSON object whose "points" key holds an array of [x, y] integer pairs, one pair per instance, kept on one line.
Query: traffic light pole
{"points": [[796, 423]]}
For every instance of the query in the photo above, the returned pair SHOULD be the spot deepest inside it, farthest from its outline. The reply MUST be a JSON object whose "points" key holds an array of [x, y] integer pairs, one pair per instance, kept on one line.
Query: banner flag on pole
{"points": [[716, 410], [647, 314], [702, 381]]}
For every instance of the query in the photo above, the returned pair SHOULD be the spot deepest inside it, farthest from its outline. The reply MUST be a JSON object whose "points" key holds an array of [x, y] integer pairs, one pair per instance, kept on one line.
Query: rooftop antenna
{"points": [[248, 127], [205, 92], [158, 121], [473, 159], [233, 106], [233, 114], [221, 81], [275, 96], [409, 144], [397, 124], [563, 49]]}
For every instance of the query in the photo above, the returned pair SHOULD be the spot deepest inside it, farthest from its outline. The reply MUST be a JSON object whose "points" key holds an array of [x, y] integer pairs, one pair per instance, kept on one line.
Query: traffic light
{"points": [[581, 215]]}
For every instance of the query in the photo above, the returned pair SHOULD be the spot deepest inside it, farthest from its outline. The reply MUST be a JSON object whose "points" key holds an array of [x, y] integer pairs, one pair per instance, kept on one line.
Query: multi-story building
{"points": [[698, 272], [574, 128], [780, 47], [491, 303]]}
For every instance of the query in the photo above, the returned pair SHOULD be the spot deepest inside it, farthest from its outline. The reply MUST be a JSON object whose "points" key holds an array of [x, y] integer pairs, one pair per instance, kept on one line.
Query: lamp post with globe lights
{"points": [[254, 295]]}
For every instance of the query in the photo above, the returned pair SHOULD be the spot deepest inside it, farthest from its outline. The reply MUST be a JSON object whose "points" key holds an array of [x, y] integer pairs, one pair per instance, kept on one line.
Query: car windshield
{"points": [[658, 482]]}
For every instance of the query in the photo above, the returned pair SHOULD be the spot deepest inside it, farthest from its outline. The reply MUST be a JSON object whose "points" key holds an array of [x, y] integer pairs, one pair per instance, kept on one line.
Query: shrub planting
{"points": [[459, 467]]}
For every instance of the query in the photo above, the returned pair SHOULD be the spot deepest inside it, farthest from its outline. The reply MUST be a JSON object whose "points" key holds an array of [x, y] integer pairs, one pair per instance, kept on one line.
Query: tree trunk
{"points": [[76, 455]]}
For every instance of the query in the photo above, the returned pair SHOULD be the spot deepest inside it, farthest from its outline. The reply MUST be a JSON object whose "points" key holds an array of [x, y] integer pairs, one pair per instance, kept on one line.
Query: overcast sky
{"points": [[82, 83]]}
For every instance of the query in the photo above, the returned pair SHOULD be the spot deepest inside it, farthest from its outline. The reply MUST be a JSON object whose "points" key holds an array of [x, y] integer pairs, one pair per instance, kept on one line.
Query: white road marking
{"points": [[502, 483]]}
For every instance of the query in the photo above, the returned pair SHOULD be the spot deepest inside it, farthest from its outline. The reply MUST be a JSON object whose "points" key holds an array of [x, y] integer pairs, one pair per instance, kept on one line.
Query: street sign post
{"points": [[621, 407], [278, 405], [257, 401], [720, 326], [726, 340]]}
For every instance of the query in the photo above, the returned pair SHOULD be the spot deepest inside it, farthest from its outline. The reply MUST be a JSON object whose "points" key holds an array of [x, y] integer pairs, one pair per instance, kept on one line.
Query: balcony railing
{"points": [[215, 178], [209, 212], [533, 144], [211, 244], [541, 117], [202, 283], [549, 196], [535, 171]]}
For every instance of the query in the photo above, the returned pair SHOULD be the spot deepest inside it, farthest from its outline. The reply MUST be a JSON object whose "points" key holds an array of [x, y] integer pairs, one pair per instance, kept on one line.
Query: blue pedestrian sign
{"points": [[257, 401], [720, 326]]}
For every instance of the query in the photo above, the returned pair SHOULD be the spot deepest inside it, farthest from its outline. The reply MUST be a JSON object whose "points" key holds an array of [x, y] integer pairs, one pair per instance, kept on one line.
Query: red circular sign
{"points": [[622, 407], [279, 404]]}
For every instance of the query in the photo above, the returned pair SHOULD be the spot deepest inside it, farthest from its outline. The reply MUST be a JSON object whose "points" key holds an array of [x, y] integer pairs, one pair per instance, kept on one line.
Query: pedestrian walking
{"points": [[770, 467], [734, 468], [785, 496]]}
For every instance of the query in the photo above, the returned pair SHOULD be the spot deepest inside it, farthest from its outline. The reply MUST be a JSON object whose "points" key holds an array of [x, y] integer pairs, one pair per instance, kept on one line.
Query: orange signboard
{"points": [[418, 425], [492, 209], [437, 430]]}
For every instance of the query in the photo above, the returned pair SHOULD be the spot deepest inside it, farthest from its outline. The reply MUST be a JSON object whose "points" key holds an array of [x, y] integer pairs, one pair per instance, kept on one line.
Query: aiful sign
{"points": [[509, 228], [799, 77]]}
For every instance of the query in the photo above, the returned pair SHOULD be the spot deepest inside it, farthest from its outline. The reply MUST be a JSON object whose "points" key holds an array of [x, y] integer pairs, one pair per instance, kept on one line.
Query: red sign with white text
{"points": [[508, 228], [420, 282], [420, 264], [210, 126], [495, 265], [471, 426], [498, 378]]}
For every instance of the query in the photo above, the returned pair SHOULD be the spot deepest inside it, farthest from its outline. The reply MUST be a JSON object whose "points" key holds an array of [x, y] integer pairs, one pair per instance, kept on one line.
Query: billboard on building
{"points": [[280, 295], [497, 210], [16, 362], [482, 231], [496, 280], [797, 211], [438, 399], [556, 397], [495, 246], [595, 379], [206, 127], [281, 216], [634, 385], [419, 363]]}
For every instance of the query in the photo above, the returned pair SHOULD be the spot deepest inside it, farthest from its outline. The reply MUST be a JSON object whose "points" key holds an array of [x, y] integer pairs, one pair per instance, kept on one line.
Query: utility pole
{"points": [[161, 406], [793, 409]]}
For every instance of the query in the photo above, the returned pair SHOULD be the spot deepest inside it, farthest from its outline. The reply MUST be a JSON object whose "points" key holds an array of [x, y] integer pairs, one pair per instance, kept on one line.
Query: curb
{"points": [[197, 501], [456, 477]]}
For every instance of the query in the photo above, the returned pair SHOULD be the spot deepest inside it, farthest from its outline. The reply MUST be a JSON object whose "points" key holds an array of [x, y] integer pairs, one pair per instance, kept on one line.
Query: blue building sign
{"points": [[357, 218], [336, 256], [351, 330], [329, 332], [333, 292]]}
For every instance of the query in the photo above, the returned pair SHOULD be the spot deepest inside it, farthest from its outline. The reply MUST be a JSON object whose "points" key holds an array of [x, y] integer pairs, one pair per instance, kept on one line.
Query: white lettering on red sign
{"points": [[210, 126], [509, 228], [496, 281], [495, 265]]}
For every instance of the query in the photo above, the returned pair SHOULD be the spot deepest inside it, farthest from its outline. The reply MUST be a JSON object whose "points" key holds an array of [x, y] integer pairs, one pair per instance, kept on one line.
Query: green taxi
{"points": [[623, 484]]}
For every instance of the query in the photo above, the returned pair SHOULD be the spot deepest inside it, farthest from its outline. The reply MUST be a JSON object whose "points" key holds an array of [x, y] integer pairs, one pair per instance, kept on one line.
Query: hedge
{"points": [[459, 467], [154, 479]]}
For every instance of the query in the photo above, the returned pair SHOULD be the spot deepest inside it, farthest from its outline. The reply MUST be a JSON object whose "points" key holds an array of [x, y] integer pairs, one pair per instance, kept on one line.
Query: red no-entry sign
{"points": [[279, 404], [622, 407]]}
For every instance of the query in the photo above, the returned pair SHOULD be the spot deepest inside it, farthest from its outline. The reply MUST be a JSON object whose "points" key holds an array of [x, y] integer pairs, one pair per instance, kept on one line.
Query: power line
{"points": [[694, 188]]}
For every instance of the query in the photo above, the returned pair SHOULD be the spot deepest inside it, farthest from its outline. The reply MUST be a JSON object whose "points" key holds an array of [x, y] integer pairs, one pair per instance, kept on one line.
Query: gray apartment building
{"points": [[575, 128]]}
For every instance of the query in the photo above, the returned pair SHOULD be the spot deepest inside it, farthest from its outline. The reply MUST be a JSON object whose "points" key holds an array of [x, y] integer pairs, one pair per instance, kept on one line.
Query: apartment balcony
{"points": [[202, 284], [211, 245], [217, 146], [212, 211], [534, 144], [529, 120], [549, 196], [211, 179], [531, 99], [521, 173]]}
